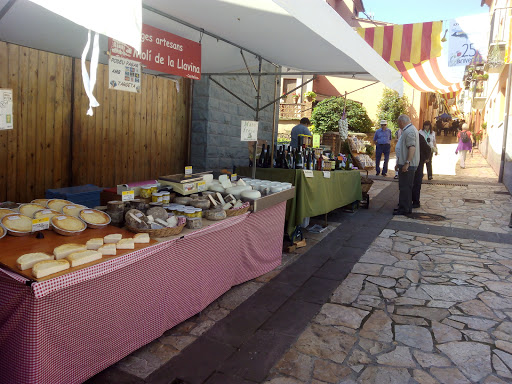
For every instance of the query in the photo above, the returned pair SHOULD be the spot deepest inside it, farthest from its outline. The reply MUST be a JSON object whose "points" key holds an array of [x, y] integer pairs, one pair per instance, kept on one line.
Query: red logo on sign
{"points": [[164, 52]]}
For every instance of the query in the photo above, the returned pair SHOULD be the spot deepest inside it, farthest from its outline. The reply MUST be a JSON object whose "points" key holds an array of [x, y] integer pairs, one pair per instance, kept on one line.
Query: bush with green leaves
{"points": [[328, 112], [391, 106]]}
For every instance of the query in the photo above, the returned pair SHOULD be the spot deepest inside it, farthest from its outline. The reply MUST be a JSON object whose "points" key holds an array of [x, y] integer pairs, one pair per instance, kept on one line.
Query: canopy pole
{"points": [[287, 93], [350, 75], [248, 71], [231, 93], [6, 8], [257, 117], [274, 121]]}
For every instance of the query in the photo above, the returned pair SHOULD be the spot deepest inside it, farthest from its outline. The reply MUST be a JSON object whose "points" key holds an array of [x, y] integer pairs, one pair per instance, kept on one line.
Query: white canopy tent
{"points": [[307, 35]]}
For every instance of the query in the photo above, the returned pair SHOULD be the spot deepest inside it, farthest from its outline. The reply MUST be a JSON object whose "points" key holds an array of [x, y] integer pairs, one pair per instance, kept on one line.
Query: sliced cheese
{"points": [[125, 244], [108, 249], [141, 238], [113, 238], [220, 198], [95, 243], [83, 257], [63, 250], [49, 267], [28, 260]]}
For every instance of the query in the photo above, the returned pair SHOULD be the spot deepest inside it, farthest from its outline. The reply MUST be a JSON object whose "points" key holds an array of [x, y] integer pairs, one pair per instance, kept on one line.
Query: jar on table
{"points": [[145, 191], [157, 197], [198, 212], [154, 188], [166, 197], [189, 212]]}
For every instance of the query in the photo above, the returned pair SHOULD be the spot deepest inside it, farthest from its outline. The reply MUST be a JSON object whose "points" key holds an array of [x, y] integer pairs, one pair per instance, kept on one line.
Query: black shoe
{"points": [[430, 178], [416, 205], [377, 174], [398, 212], [384, 174]]}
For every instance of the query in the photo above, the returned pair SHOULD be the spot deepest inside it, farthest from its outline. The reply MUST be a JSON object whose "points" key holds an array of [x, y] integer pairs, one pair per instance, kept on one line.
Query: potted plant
{"points": [[479, 77], [310, 96], [485, 76], [295, 97], [283, 97], [478, 136]]}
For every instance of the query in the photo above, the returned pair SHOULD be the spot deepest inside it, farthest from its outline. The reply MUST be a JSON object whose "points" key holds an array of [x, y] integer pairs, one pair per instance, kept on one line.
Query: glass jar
{"points": [[189, 212], [145, 191], [166, 197], [198, 212]]}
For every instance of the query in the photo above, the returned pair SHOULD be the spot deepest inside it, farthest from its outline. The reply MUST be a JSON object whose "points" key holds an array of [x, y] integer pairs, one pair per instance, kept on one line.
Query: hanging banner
{"points": [[164, 52], [468, 37], [6, 109], [123, 74], [249, 131]]}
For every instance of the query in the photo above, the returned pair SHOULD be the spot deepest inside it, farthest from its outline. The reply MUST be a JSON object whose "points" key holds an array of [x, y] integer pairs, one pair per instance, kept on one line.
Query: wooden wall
{"points": [[54, 144]]}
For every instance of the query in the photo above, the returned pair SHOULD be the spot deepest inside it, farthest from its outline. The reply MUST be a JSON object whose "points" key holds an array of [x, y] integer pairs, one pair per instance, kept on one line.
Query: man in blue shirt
{"points": [[382, 139], [300, 129]]}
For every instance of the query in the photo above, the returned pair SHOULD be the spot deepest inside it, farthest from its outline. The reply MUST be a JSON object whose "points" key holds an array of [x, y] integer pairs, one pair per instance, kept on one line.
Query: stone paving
{"points": [[416, 308]]}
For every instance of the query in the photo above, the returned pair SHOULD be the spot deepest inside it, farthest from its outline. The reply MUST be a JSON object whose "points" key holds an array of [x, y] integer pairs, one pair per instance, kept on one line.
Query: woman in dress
{"points": [[430, 138]]}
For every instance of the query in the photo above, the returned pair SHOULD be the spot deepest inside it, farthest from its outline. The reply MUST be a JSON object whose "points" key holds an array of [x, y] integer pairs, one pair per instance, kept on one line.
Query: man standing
{"points": [[300, 129], [408, 158], [382, 139]]}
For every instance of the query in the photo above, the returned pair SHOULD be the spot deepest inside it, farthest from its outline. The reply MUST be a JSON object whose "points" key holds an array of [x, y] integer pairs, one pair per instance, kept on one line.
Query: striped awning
{"points": [[412, 43]]}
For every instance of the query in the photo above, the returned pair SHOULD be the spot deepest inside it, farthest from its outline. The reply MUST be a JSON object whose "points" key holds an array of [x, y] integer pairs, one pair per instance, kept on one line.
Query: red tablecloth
{"points": [[67, 329]]}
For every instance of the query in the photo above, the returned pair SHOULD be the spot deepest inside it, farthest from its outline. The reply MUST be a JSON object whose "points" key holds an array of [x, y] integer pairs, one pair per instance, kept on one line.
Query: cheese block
{"points": [[49, 267], [113, 238], [125, 244], [83, 257], [17, 223], [95, 243], [63, 250], [58, 204], [108, 249], [29, 209], [72, 210], [28, 260], [141, 238]]}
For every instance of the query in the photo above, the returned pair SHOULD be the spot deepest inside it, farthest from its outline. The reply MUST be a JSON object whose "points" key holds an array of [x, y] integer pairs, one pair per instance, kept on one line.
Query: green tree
{"points": [[328, 112], [391, 106]]}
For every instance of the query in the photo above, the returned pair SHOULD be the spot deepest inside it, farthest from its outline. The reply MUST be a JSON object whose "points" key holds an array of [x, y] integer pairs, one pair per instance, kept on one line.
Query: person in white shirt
{"points": [[430, 138]]}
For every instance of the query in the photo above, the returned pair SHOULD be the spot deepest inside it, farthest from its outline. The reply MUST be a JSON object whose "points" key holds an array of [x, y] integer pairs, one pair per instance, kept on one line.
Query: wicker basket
{"points": [[163, 232], [366, 183], [238, 211]]}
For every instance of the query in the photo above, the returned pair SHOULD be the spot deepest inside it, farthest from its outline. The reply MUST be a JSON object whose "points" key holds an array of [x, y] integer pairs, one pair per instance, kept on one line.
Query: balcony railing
{"points": [[500, 25], [294, 111]]}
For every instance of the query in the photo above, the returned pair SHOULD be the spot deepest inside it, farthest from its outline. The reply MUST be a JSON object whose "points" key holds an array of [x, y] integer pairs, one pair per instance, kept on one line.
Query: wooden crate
{"points": [[332, 139]]}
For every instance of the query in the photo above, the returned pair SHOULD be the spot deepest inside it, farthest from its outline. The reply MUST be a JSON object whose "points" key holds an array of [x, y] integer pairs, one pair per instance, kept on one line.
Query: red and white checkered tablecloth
{"points": [[65, 330]]}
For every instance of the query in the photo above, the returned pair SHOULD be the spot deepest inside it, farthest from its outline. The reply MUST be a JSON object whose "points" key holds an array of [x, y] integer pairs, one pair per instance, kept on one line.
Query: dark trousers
{"points": [[416, 188], [429, 166], [405, 184], [382, 149]]}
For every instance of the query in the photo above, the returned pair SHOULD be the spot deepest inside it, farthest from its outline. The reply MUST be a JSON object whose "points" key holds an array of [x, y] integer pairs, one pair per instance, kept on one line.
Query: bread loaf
{"points": [[113, 238], [28, 260], [63, 250], [141, 238], [108, 249], [83, 257], [95, 243], [49, 267], [125, 244]]}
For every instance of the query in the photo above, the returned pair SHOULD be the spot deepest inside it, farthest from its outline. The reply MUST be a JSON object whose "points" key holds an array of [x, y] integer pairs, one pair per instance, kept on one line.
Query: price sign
{"points": [[249, 130], [327, 174], [188, 170], [316, 140], [308, 173], [128, 195], [40, 224], [201, 186], [189, 187], [234, 177]]}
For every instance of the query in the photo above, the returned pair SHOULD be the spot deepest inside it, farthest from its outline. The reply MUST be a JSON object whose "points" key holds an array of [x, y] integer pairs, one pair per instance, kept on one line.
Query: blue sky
{"points": [[404, 12]]}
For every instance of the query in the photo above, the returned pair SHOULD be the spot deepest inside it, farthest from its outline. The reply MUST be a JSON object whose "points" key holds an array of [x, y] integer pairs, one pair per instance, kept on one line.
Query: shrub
{"points": [[391, 106], [328, 112]]}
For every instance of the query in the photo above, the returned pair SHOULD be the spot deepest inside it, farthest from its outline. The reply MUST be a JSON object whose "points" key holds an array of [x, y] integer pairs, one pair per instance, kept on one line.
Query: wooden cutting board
{"points": [[12, 247]]}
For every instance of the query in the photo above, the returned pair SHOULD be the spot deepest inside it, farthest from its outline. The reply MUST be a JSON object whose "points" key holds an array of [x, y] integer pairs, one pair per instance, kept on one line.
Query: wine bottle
{"points": [[261, 159], [268, 160], [299, 159], [320, 163]]}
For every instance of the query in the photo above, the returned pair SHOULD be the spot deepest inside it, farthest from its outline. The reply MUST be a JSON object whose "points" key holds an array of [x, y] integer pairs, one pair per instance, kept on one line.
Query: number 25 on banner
{"points": [[249, 130]]}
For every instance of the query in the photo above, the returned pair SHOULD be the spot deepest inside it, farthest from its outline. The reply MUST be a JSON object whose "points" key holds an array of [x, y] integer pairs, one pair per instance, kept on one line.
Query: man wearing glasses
{"points": [[382, 139]]}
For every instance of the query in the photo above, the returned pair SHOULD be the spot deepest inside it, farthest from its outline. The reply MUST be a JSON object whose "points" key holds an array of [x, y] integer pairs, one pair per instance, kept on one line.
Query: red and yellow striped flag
{"points": [[412, 43]]}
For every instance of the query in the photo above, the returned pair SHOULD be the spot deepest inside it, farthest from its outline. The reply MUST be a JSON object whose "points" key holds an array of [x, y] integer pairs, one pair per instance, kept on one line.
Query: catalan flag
{"points": [[411, 43]]}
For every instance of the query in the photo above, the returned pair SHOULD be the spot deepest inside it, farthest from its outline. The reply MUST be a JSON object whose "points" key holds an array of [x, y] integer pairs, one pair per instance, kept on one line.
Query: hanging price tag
{"points": [[308, 173], [188, 170], [40, 224], [327, 174], [201, 186], [234, 177], [128, 195]]}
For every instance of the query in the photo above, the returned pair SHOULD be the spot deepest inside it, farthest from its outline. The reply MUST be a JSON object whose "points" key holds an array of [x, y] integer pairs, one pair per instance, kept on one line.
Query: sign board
{"points": [[327, 174], [468, 39], [249, 130], [201, 186], [128, 195], [40, 224], [316, 140], [123, 74], [234, 177], [164, 52], [308, 173], [6, 109], [188, 170]]}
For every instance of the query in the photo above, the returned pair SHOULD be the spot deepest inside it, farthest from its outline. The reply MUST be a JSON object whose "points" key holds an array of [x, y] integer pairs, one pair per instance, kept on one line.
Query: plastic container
{"points": [[166, 197], [88, 195], [156, 197]]}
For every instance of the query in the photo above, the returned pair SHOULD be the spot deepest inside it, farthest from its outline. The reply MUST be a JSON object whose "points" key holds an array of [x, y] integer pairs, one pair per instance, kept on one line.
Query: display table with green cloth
{"points": [[314, 195]]}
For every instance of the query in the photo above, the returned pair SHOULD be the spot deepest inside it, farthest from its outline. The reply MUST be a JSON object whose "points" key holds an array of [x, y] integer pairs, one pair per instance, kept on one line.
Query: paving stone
{"points": [[385, 282], [414, 336], [408, 264], [401, 247], [370, 289], [428, 313], [292, 318], [454, 324], [237, 295], [504, 345], [329, 372], [409, 301], [377, 327], [386, 233], [417, 293], [502, 288], [449, 375], [325, 342], [388, 293], [479, 336], [494, 380], [473, 359], [202, 327], [178, 342], [373, 347], [358, 357], [427, 360], [440, 304], [218, 314], [284, 380], [474, 323], [403, 283], [400, 357], [423, 377], [221, 378], [444, 333], [348, 291], [504, 357], [393, 272], [378, 257], [451, 293], [371, 301], [295, 364], [409, 320], [316, 290], [500, 367], [367, 269], [494, 301], [333, 314], [401, 255], [504, 331], [385, 375], [413, 276]]}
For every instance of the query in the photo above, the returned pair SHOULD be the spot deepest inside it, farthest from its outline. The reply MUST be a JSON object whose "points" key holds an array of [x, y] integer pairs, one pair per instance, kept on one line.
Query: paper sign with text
{"points": [[6, 109], [249, 130], [123, 74], [308, 173], [316, 140], [40, 224], [164, 52], [128, 195], [201, 186], [188, 170], [327, 174]]}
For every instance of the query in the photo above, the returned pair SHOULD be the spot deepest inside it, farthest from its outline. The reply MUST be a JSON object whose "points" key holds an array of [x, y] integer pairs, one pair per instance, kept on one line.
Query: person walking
{"points": [[425, 158], [465, 145], [408, 158], [382, 139], [430, 138]]}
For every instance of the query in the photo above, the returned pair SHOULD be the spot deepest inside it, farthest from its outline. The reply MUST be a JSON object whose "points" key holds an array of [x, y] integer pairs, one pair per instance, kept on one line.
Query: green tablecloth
{"points": [[314, 195]]}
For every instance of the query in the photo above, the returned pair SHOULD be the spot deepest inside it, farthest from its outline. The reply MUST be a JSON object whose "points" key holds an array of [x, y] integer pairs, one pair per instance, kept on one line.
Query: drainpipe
{"points": [[505, 125]]}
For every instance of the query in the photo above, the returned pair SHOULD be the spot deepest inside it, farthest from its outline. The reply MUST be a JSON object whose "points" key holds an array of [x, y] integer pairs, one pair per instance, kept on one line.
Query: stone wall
{"points": [[217, 116]]}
